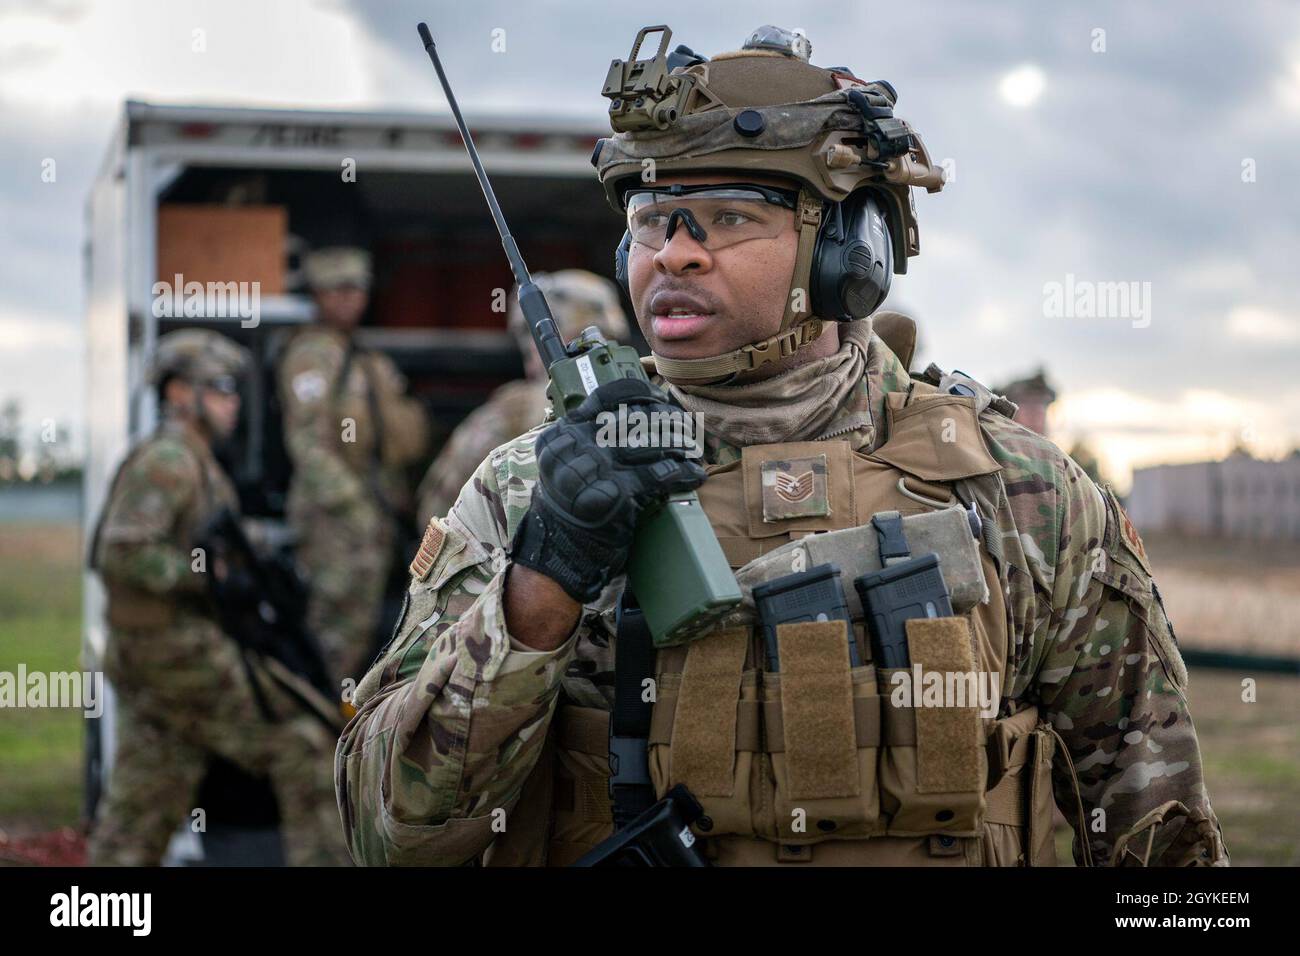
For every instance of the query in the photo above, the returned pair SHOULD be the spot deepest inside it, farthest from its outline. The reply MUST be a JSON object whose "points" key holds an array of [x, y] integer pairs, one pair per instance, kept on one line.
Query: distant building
{"points": [[1032, 395], [1240, 497]]}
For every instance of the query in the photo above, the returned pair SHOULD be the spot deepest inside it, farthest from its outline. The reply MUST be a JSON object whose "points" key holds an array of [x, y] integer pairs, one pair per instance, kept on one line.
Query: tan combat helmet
{"points": [[198, 356], [337, 266], [765, 110], [578, 299]]}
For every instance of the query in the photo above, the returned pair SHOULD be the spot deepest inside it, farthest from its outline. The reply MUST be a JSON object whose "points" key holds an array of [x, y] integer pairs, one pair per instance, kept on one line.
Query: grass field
{"points": [[1251, 750], [1240, 596], [40, 626]]}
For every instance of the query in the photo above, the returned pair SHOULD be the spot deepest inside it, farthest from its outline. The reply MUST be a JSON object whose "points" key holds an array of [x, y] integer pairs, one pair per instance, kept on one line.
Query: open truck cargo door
{"points": [[230, 199]]}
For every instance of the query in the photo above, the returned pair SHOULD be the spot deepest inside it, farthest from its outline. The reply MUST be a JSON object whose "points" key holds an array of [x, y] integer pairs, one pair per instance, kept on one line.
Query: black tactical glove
{"points": [[589, 494]]}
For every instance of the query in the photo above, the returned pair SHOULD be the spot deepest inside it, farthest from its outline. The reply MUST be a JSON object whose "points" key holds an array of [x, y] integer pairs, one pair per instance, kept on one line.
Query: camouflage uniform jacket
{"points": [[348, 438], [162, 495], [452, 718]]}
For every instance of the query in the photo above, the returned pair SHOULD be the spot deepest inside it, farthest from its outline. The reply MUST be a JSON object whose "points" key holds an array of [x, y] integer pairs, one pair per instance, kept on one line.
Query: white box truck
{"points": [[399, 184]]}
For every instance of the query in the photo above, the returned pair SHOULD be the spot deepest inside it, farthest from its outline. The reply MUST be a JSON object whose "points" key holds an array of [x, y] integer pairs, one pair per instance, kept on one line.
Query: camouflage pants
{"points": [[347, 560], [163, 744]]}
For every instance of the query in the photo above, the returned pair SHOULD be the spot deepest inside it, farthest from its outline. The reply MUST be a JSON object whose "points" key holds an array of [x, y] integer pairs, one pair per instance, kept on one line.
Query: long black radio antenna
{"points": [[531, 301]]}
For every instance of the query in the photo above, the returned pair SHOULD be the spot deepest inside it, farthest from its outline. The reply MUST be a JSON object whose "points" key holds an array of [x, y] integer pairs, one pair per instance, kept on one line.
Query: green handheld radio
{"points": [[677, 569]]}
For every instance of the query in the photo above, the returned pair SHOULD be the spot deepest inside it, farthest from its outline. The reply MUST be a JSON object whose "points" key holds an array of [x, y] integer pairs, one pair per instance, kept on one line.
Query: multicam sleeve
{"points": [[452, 720], [1113, 684], [137, 544]]}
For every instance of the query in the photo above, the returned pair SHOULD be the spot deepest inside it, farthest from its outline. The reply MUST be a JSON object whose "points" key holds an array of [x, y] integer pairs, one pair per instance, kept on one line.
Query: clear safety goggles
{"points": [[716, 216], [225, 384]]}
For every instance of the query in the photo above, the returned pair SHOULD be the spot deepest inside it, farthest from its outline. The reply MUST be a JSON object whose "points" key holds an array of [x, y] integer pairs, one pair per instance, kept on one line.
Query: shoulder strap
{"points": [[630, 789], [372, 402], [377, 450], [898, 332], [201, 455], [984, 493], [959, 383], [346, 369]]}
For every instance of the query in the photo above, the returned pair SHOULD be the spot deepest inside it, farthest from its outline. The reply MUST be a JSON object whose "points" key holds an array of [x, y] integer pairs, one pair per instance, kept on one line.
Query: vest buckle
{"points": [[629, 762]]}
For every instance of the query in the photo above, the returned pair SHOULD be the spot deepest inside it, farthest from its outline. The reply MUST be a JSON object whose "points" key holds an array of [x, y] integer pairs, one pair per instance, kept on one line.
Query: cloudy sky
{"points": [[1155, 143]]}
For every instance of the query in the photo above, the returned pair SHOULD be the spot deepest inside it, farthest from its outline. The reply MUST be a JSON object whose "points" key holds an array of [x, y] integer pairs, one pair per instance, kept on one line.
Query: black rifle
{"points": [[260, 603], [661, 836]]}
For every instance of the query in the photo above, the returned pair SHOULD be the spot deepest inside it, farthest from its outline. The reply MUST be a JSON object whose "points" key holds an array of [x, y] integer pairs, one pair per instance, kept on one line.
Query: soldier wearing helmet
{"points": [[351, 431], [196, 374], [183, 691], [768, 202], [578, 300]]}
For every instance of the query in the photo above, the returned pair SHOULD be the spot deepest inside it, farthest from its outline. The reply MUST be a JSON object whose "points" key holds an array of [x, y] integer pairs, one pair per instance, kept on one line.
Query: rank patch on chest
{"points": [[795, 488]]}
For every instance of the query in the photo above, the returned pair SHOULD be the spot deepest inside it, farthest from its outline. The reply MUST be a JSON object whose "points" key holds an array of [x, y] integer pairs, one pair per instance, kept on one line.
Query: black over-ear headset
{"points": [[852, 265], [853, 261]]}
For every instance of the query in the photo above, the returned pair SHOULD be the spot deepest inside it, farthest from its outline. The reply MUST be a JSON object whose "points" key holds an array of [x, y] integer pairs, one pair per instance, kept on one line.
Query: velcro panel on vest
{"points": [[948, 739], [866, 722], [704, 726], [817, 710], [749, 729]]}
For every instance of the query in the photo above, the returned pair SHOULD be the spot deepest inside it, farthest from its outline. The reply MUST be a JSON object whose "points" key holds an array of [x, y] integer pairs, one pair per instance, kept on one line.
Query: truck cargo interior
{"points": [[437, 260]]}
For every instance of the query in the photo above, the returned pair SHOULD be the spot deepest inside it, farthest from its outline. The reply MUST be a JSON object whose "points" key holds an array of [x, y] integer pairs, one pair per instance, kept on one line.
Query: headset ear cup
{"points": [[870, 262], [852, 261], [620, 262]]}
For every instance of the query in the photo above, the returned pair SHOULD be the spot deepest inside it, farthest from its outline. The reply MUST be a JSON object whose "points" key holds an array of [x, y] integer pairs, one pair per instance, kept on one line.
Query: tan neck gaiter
{"points": [[797, 405]]}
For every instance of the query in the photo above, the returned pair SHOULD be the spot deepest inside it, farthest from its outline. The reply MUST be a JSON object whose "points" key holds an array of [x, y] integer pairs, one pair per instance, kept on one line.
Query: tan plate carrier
{"points": [[815, 764]]}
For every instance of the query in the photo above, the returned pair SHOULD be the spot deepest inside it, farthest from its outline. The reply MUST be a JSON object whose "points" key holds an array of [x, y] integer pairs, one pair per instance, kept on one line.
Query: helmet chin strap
{"points": [[798, 329]]}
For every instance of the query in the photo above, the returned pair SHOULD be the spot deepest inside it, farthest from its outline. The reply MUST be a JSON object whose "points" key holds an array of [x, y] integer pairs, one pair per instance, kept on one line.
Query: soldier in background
{"points": [[351, 431], [183, 690], [577, 299]]}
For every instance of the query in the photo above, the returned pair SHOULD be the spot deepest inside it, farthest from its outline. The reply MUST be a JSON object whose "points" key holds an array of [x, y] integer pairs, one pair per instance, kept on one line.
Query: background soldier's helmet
{"points": [[766, 110], [336, 266], [577, 299], [199, 356]]}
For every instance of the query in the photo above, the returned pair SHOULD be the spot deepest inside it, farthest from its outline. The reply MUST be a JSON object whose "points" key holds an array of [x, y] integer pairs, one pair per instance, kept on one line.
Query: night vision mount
{"points": [[646, 94]]}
